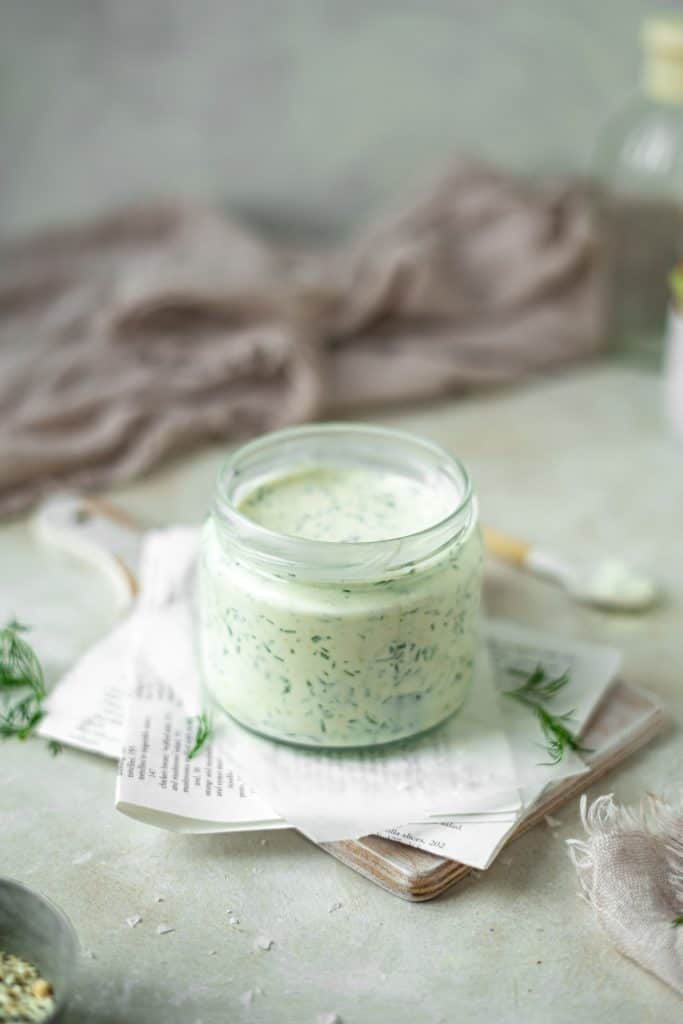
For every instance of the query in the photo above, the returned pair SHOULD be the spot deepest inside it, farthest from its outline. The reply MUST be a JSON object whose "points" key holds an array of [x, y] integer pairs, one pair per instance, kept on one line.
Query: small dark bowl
{"points": [[32, 927]]}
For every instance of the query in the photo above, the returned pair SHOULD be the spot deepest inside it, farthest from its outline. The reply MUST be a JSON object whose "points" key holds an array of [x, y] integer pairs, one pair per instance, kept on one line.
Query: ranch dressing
{"points": [[337, 656], [345, 505]]}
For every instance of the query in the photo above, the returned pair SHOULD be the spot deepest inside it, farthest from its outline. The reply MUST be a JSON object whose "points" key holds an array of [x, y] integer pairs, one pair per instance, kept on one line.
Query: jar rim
{"points": [[339, 560]]}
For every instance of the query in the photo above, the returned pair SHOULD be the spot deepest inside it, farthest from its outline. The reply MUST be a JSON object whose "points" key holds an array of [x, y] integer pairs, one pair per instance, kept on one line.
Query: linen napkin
{"points": [[630, 867], [153, 329]]}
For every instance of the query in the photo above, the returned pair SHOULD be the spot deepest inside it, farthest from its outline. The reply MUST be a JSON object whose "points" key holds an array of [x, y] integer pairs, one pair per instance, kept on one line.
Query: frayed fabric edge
{"points": [[653, 817]]}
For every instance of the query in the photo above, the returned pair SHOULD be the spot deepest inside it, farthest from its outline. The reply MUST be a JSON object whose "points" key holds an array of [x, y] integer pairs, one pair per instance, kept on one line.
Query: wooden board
{"points": [[624, 721]]}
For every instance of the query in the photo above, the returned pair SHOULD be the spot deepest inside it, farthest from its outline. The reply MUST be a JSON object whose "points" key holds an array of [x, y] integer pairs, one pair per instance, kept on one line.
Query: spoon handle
{"points": [[97, 532], [508, 549]]}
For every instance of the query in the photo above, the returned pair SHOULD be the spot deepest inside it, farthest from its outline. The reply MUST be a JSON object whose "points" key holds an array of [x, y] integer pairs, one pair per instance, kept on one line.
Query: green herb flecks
{"points": [[537, 690], [20, 670], [201, 736], [676, 285], [677, 922]]}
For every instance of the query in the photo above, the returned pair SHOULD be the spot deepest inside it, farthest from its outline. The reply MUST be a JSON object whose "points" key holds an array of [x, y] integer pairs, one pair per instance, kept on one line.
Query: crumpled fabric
{"points": [[630, 868], [154, 329]]}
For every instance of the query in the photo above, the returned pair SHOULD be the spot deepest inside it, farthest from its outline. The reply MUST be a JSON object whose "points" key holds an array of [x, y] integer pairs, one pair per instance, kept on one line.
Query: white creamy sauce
{"points": [[348, 505], [613, 584], [350, 663]]}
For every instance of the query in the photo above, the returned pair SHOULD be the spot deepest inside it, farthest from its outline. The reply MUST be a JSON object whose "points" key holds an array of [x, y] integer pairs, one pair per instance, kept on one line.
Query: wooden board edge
{"points": [[440, 873]]}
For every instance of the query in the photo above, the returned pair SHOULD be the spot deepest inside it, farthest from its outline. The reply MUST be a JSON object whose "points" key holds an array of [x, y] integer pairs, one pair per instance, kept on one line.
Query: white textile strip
{"points": [[630, 866]]}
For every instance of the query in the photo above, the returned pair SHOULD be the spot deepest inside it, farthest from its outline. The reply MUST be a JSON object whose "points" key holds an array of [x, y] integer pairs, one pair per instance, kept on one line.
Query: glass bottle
{"points": [[639, 162]]}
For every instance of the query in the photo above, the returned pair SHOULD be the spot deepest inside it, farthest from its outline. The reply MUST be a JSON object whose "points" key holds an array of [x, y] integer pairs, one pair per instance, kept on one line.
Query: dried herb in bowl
{"points": [[24, 995]]}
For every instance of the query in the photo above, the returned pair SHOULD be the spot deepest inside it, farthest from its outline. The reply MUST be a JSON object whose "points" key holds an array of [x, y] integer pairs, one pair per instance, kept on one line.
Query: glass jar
{"points": [[639, 161], [340, 643]]}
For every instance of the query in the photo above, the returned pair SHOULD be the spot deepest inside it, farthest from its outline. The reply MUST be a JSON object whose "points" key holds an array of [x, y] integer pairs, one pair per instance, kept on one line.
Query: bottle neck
{"points": [[662, 80]]}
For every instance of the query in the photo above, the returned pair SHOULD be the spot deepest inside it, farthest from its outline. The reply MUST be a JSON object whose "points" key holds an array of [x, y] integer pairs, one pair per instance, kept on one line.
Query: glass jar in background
{"points": [[639, 161], [673, 356], [340, 579]]}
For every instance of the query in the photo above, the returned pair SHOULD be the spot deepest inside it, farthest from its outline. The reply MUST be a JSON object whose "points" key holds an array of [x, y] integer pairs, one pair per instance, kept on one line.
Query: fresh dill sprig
{"points": [[538, 686], [202, 734], [557, 735], [20, 669], [537, 690], [19, 665], [677, 922]]}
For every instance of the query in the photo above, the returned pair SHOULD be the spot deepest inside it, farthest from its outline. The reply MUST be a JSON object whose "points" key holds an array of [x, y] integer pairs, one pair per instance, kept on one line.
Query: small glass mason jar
{"points": [[340, 644]]}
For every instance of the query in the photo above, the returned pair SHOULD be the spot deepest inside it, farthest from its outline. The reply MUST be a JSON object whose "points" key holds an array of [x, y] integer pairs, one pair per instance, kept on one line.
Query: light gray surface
{"points": [[313, 110], [584, 463]]}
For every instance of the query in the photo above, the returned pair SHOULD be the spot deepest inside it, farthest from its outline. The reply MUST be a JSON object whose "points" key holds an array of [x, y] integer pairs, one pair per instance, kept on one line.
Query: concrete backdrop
{"points": [[303, 111]]}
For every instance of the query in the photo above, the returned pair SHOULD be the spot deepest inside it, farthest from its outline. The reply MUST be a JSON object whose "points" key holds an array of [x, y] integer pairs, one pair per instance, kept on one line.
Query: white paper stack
{"points": [[458, 791]]}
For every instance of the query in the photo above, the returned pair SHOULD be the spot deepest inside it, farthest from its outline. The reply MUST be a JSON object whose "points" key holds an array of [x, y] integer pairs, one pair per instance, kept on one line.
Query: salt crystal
{"points": [[83, 858], [328, 1018], [158, 899], [212, 952], [133, 921], [552, 822], [247, 998], [89, 955], [263, 942], [234, 921], [263, 842], [164, 929], [337, 905]]}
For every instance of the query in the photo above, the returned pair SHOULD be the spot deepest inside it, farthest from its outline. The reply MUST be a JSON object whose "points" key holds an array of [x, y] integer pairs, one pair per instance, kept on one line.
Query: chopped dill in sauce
{"points": [[341, 664]]}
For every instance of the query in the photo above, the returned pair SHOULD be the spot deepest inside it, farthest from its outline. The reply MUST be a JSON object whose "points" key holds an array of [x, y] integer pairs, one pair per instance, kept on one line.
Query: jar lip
{"points": [[352, 559]]}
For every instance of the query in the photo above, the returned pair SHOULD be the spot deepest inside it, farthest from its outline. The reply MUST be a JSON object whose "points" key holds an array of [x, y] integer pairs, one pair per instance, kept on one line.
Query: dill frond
{"points": [[202, 734], [20, 669], [537, 690]]}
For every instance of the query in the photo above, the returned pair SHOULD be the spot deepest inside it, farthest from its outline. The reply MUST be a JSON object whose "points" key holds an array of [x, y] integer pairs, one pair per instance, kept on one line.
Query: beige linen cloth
{"points": [[630, 868], [151, 330]]}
